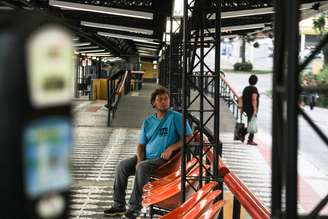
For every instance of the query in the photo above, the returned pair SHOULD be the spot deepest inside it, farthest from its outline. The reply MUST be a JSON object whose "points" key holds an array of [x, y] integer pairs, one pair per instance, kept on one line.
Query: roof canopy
{"points": [[135, 27]]}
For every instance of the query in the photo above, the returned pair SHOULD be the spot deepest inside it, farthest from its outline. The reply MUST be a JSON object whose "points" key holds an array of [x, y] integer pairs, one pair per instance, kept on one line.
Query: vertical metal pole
{"points": [[229, 98], [164, 67], [170, 85], [76, 82], [277, 109], [201, 88], [237, 114], [167, 54], [108, 101], [292, 44], [184, 91], [236, 208], [99, 63], [217, 147], [217, 150], [167, 64], [189, 67], [151, 211]]}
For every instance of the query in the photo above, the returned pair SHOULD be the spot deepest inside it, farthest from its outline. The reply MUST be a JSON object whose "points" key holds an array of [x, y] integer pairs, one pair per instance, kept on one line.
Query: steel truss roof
{"points": [[127, 19]]}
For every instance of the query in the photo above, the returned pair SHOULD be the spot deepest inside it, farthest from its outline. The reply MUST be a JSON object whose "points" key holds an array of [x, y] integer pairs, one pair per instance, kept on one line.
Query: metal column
{"points": [[286, 90], [198, 42]]}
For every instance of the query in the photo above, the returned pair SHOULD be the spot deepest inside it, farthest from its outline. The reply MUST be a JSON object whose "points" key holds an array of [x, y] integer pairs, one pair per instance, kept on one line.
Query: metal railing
{"points": [[243, 197], [230, 96], [227, 93], [115, 85]]}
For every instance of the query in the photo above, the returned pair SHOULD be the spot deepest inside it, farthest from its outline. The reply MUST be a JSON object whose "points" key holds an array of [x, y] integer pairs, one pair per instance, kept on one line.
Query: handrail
{"points": [[247, 199], [230, 87], [254, 207], [122, 83], [230, 96], [114, 91]]}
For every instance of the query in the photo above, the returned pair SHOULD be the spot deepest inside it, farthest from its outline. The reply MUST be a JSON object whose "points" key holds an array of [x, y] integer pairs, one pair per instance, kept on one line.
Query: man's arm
{"points": [[254, 103], [140, 152], [173, 147]]}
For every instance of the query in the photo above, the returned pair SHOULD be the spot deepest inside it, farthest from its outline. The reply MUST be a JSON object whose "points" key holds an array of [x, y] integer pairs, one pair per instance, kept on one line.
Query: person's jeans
{"points": [[249, 118], [142, 172]]}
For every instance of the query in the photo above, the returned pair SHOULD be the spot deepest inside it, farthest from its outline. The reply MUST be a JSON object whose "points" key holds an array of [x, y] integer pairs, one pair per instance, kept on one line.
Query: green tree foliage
{"points": [[319, 26], [323, 76], [243, 66]]}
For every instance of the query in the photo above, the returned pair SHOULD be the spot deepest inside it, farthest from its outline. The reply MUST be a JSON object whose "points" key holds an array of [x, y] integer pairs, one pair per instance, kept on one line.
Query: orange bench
{"points": [[168, 196], [169, 178], [202, 205], [213, 212], [170, 166], [191, 202], [165, 192]]}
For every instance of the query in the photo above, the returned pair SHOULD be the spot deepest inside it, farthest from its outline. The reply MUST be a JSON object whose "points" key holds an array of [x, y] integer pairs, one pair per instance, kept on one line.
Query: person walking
{"points": [[251, 103]]}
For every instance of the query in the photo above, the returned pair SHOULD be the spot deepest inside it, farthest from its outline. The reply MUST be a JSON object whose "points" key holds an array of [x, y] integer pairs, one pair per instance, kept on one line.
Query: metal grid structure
{"points": [[164, 68], [286, 111], [122, 28], [201, 32], [176, 51], [195, 36], [171, 63]]}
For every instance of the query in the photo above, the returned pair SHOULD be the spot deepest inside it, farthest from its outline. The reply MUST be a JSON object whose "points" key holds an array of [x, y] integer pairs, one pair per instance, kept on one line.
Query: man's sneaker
{"points": [[131, 215], [115, 211], [251, 143]]}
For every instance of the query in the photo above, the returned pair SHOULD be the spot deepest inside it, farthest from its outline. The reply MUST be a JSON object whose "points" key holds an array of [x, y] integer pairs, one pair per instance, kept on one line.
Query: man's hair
{"points": [[158, 91], [252, 79]]}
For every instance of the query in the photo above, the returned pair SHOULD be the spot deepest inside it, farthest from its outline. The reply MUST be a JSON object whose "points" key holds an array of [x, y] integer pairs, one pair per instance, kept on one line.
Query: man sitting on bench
{"points": [[160, 137]]}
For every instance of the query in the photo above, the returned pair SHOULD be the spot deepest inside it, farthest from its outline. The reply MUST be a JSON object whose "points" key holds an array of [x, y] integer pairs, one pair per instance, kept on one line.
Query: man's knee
{"points": [[142, 167], [122, 166]]}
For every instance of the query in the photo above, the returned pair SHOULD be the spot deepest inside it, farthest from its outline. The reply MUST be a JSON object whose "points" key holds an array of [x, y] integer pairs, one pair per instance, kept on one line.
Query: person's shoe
{"points": [[115, 211], [242, 138], [131, 215], [251, 143]]}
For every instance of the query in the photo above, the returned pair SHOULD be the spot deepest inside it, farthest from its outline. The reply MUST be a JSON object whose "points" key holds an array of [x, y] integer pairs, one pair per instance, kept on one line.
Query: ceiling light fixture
{"points": [[82, 44], [149, 55], [145, 41], [99, 54], [239, 27], [101, 9], [93, 51], [117, 27], [141, 44], [254, 12], [147, 48], [145, 51], [88, 47], [121, 36]]}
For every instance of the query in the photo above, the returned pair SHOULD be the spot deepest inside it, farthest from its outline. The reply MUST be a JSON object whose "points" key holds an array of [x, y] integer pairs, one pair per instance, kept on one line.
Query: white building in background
{"points": [[309, 39], [261, 57]]}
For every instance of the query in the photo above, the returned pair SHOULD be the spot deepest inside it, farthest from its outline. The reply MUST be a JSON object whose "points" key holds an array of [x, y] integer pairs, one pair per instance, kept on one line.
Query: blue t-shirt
{"points": [[158, 134]]}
